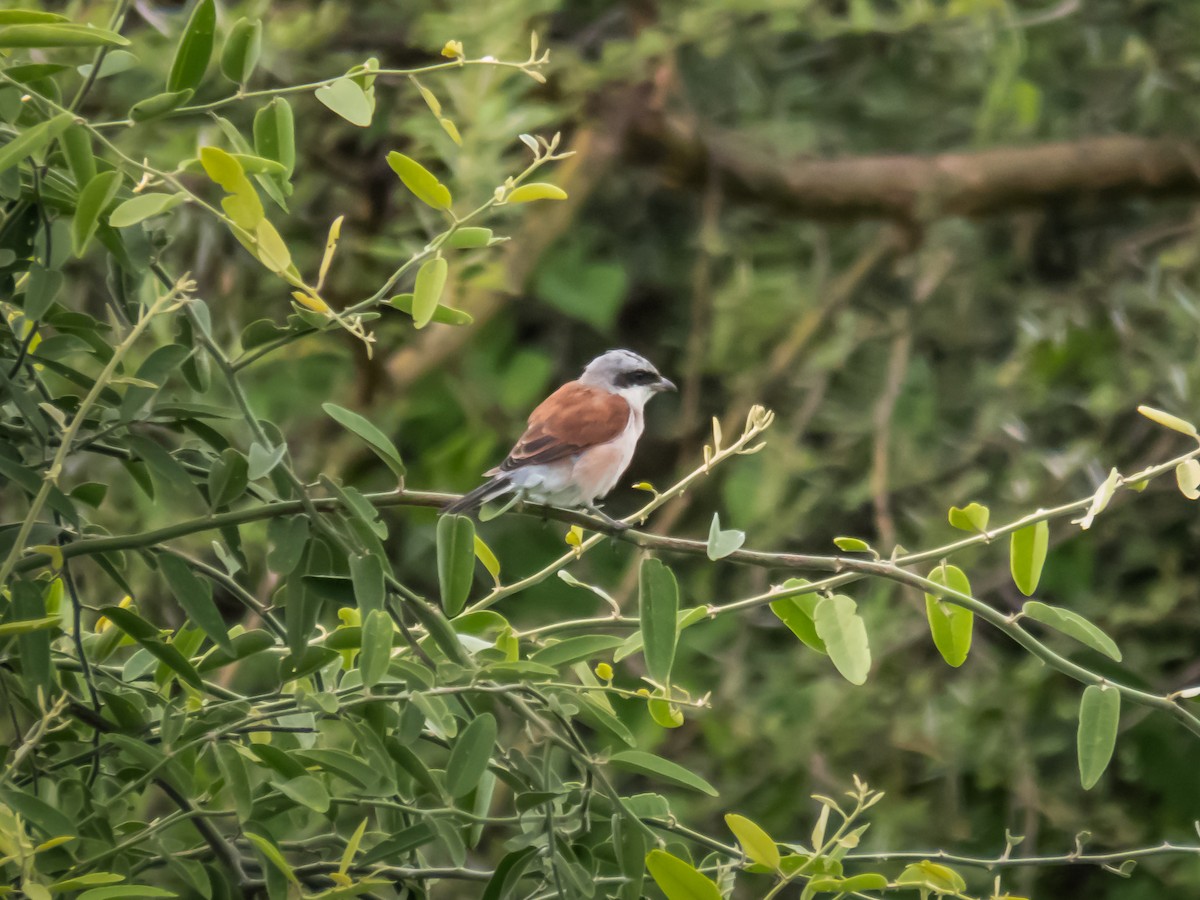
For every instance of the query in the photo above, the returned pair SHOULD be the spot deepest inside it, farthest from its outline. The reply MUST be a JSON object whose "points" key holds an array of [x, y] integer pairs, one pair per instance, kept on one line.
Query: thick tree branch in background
{"points": [[914, 189]]}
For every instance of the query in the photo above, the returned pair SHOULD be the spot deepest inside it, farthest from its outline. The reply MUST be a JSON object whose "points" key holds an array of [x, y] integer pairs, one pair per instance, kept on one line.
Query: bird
{"points": [[579, 440]]}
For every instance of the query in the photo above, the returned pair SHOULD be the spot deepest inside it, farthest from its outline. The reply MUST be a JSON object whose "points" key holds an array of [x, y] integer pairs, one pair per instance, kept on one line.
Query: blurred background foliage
{"points": [[914, 363]]}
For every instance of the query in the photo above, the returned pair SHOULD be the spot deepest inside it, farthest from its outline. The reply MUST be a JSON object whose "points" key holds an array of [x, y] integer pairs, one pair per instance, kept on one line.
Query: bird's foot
{"points": [[615, 524]]}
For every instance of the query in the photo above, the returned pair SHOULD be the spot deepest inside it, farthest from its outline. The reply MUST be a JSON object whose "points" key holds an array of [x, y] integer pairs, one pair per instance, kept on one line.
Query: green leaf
{"points": [[159, 105], [1164, 418], [678, 879], [756, 843], [147, 635], [24, 626], [93, 201], [366, 574], [262, 460], [28, 16], [274, 134], [1099, 715], [242, 48], [195, 596], [194, 49], [444, 315], [374, 438], [227, 479], [76, 142], [376, 647], [34, 139], [427, 291], [573, 649], [852, 544], [797, 614], [55, 35], [972, 517], [1027, 555], [41, 290], [648, 764], [245, 645], [868, 881], [272, 855], [949, 623], [233, 769], [845, 636], [420, 181], [1073, 625], [527, 193], [121, 891], [658, 606], [933, 876], [1187, 476], [33, 645], [722, 543], [470, 756], [142, 207], [307, 790], [288, 537], [455, 561], [469, 237], [398, 844], [348, 100], [74, 884]]}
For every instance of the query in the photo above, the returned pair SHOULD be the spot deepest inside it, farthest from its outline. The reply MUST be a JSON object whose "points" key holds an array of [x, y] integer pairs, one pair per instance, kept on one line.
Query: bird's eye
{"points": [[643, 376]]}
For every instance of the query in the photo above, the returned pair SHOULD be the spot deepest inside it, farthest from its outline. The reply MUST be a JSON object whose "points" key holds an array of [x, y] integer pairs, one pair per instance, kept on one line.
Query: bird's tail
{"points": [[489, 490]]}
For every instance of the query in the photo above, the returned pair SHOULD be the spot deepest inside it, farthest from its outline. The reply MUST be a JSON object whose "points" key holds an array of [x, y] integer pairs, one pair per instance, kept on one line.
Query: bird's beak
{"points": [[665, 384]]}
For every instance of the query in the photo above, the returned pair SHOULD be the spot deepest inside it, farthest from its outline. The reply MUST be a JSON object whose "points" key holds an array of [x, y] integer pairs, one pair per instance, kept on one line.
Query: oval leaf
{"points": [[375, 439], [33, 140], [348, 100], [54, 35], [427, 291], [950, 624], [678, 879], [274, 134], [455, 561], [142, 207], [845, 636], [242, 48], [420, 181], [1027, 554], [376, 647], [756, 843], [443, 315], [972, 517], [648, 764], [1187, 476], [195, 48], [1072, 624], [539, 190], [195, 596], [658, 607], [1099, 715], [93, 200], [1168, 421], [471, 754]]}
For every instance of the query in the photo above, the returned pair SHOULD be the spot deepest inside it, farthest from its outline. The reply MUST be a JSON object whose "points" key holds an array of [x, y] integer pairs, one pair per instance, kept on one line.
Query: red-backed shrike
{"points": [[580, 439]]}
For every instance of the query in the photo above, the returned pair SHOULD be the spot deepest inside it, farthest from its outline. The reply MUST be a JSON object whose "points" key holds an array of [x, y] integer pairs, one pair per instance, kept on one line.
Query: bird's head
{"points": [[624, 372]]}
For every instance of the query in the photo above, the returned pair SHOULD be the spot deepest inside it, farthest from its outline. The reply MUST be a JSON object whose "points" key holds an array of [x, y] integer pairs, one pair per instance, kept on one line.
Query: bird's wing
{"points": [[567, 422]]}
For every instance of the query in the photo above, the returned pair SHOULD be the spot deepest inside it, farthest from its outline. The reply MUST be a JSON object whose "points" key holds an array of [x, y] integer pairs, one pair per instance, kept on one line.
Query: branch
{"points": [[913, 189]]}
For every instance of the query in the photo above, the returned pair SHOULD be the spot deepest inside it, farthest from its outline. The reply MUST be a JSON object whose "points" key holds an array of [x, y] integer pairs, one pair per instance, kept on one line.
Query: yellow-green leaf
{"points": [[1187, 476], [950, 624], [972, 517], [33, 140], [142, 207], [539, 190], [756, 843], [845, 636], [272, 251], [40, 34], [420, 181], [680, 880], [348, 100], [1027, 555], [1072, 624], [443, 315], [427, 292], [1168, 421]]}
